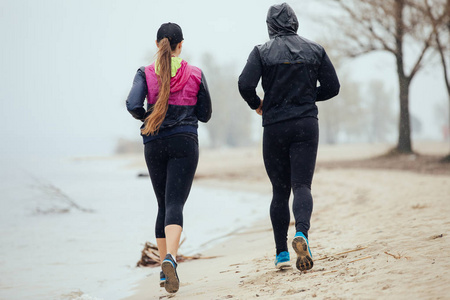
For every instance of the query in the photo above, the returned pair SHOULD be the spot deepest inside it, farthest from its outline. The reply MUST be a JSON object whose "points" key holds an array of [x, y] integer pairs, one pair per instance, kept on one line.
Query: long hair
{"points": [[163, 66]]}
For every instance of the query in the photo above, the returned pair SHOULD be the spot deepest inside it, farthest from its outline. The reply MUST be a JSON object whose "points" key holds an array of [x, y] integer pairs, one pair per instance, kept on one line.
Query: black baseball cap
{"points": [[171, 31]]}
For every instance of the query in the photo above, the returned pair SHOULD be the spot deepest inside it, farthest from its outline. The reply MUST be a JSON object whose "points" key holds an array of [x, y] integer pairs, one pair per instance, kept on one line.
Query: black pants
{"points": [[171, 163], [290, 150]]}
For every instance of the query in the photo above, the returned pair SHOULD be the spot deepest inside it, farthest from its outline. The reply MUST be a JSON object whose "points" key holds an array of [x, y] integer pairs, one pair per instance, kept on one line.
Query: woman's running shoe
{"points": [[282, 260], [162, 279], [169, 267]]}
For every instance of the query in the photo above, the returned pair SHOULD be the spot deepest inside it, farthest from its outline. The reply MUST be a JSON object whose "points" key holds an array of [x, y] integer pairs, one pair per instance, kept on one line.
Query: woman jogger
{"points": [[178, 97]]}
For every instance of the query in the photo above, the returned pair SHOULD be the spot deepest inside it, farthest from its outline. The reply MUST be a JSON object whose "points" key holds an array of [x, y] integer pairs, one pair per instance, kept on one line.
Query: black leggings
{"points": [[171, 163], [290, 150]]}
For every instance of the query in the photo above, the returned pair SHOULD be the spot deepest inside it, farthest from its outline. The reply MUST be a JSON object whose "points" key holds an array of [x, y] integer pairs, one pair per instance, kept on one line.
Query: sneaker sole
{"points": [[172, 283], [304, 259], [283, 265], [161, 283]]}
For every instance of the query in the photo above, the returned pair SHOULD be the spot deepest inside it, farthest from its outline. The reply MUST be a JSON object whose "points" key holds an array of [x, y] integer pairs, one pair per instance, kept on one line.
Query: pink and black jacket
{"points": [[189, 100]]}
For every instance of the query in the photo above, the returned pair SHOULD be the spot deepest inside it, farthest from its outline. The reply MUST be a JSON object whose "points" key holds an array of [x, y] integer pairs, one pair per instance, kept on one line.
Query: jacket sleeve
{"points": [[203, 109], [249, 78], [136, 97], [329, 82]]}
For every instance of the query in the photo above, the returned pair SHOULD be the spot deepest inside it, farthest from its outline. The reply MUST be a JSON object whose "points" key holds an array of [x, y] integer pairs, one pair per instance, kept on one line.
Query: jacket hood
{"points": [[281, 20], [181, 71], [182, 76]]}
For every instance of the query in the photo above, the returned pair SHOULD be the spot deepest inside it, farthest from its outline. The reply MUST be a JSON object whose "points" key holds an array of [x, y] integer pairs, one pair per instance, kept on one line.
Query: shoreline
{"points": [[375, 233]]}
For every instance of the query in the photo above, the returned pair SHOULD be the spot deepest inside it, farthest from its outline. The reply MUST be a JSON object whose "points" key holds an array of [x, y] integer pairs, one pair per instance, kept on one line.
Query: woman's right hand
{"points": [[259, 109]]}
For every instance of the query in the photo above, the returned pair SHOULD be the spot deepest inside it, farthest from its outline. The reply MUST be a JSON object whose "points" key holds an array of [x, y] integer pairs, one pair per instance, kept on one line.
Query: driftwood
{"points": [[399, 256], [370, 256], [150, 256]]}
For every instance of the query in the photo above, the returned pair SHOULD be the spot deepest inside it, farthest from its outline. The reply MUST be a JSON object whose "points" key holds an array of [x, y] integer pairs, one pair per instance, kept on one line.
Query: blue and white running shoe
{"points": [[301, 247], [169, 267]]}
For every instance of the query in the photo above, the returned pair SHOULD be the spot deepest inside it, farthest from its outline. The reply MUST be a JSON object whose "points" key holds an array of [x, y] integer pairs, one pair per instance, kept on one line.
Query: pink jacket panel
{"points": [[184, 86]]}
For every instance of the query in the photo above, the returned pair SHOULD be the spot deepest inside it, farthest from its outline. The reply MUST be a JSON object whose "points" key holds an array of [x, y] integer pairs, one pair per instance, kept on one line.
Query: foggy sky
{"points": [[67, 66]]}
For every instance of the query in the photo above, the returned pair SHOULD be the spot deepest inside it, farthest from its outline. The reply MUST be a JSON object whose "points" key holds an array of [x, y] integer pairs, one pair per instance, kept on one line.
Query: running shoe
{"points": [[282, 260], [301, 247], [162, 279], [169, 267]]}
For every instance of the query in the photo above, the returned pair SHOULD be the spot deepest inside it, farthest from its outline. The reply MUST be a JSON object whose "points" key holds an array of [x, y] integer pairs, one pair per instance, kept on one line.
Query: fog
{"points": [[67, 66]]}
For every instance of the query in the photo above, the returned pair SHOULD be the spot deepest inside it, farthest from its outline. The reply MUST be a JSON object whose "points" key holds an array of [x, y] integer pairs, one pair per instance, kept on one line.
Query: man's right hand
{"points": [[259, 109]]}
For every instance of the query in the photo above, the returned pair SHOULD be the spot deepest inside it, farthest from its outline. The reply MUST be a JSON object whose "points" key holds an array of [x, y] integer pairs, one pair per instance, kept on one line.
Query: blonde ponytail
{"points": [[163, 66]]}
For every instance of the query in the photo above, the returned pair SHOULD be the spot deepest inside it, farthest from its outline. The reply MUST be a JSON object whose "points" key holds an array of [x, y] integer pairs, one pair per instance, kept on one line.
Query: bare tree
{"points": [[230, 125], [380, 116], [438, 14], [397, 27], [357, 114], [442, 115], [440, 21], [343, 119]]}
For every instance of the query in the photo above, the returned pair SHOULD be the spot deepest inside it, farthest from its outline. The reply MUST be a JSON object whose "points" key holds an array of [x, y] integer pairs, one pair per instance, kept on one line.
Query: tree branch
{"points": [[418, 65], [435, 22], [366, 24]]}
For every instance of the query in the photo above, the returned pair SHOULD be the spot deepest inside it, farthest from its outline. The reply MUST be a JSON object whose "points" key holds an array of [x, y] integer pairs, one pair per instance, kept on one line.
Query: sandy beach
{"points": [[376, 232]]}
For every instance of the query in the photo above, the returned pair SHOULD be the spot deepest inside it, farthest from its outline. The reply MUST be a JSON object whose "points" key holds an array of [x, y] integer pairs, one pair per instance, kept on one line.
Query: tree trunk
{"points": [[404, 136], [447, 157], [447, 82], [442, 51]]}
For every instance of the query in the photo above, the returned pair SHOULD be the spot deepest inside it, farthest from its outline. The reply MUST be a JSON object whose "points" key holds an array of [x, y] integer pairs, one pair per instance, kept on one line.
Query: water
{"points": [[72, 228]]}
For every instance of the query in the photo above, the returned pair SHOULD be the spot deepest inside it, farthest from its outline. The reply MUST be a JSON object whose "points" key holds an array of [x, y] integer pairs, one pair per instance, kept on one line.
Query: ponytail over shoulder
{"points": [[163, 66]]}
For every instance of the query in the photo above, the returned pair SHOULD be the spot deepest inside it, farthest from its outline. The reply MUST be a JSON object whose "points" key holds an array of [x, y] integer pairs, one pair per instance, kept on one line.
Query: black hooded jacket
{"points": [[290, 67]]}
